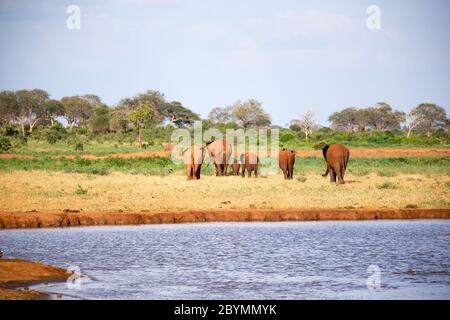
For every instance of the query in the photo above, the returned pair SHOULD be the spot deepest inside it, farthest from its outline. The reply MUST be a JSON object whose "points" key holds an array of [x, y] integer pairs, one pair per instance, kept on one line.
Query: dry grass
{"points": [[42, 191]]}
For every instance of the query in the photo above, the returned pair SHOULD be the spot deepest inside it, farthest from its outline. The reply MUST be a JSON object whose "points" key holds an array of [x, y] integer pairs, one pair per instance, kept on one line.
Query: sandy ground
{"points": [[354, 153], [15, 272], [41, 191]]}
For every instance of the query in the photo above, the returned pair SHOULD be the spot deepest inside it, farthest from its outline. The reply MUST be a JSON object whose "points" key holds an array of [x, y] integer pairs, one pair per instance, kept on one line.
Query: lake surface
{"points": [[271, 260]]}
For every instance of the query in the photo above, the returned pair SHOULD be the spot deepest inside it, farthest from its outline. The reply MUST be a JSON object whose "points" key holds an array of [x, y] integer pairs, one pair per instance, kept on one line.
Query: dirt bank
{"points": [[50, 220], [16, 272], [355, 153]]}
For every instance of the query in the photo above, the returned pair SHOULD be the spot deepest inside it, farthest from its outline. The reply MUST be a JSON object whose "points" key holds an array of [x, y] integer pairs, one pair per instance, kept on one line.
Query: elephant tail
{"points": [[325, 150]]}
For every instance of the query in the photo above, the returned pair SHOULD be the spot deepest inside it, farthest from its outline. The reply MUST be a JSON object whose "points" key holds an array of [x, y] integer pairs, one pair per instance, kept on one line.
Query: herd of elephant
{"points": [[336, 157]]}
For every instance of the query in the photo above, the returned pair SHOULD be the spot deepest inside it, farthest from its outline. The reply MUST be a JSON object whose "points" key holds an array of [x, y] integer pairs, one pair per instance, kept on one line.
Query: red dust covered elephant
{"points": [[336, 156], [193, 159], [220, 153]]}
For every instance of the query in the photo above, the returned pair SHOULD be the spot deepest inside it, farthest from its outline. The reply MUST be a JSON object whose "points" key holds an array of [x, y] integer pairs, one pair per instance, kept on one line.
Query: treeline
{"points": [[149, 117], [426, 117]]}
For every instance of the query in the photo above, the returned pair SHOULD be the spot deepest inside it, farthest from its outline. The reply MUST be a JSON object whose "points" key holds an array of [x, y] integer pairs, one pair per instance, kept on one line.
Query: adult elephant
{"points": [[336, 156], [193, 159], [220, 152], [286, 160]]}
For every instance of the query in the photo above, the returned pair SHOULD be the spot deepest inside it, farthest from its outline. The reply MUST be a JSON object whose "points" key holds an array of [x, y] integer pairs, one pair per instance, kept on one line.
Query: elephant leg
{"points": [[198, 168], [249, 172], [225, 169], [340, 176], [286, 175], [332, 175], [243, 172], [218, 173], [188, 168], [256, 172]]}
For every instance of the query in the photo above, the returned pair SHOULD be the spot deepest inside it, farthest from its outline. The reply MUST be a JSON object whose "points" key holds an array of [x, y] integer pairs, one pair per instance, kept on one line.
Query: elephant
{"points": [[220, 152], [249, 162], [236, 166], [286, 161], [193, 159], [336, 156]]}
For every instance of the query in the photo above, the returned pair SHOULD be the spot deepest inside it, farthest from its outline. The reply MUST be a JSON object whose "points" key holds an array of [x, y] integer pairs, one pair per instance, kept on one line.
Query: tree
{"points": [[220, 115], [31, 105], [345, 120], [8, 107], [178, 115], [143, 115], [52, 110], [77, 111], [250, 114], [306, 123], [412, 121], [101, 119], [383, 118], [431, 117], [92, 99]]}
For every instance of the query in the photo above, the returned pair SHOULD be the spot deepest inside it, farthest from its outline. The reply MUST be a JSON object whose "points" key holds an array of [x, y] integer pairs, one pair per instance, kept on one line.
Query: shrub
{"points": [[387, 185], [5, 144], [80, 190], [79, 146]]}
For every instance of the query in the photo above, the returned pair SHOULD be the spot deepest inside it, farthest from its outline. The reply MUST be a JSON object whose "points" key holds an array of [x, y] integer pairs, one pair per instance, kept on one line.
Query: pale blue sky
{"points": [[292, 56]]}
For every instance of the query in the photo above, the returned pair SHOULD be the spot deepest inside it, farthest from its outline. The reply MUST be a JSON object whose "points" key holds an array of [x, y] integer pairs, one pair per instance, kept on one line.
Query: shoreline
{"points": [[16, 275], [17, 220]]}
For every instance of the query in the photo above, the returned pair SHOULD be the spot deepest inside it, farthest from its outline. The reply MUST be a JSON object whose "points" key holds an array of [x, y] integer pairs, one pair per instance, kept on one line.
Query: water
{"points": [[279, 260]]}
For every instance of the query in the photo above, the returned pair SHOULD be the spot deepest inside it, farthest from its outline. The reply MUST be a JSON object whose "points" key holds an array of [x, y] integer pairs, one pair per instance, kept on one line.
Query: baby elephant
{"points": [[235, 167], [193, 159], [336, 156], [286, 160], [250, 163]]}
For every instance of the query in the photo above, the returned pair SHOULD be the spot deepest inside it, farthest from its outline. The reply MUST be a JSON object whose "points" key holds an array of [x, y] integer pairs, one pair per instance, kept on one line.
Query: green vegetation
{"points": [[164, 166], [31, 123]]}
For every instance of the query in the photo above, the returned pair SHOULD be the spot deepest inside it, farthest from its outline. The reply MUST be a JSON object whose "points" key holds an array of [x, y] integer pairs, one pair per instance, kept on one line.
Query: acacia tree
{"points": [[31, 105], [250, 114], [77, 111], [143, 115], [412, 121], [345, 120], [177, 114], [306, 123], [8, 107], [52, 110], [220, 115], [101, 119], [431, 116], [383, 118]]}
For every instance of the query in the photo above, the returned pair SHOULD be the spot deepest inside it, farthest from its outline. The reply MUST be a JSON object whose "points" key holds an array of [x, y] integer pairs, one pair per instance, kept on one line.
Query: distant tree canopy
{"points": [[149, 114], [246, 114], [380, 117], [173, 112], [429, 116]]}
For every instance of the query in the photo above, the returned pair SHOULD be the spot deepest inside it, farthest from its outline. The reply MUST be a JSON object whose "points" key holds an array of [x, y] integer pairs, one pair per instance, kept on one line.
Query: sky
{"points": [[292, 56]]}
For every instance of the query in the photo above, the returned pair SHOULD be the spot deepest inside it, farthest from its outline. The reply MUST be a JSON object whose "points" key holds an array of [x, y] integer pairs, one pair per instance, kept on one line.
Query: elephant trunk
{"points": [[326, 172]]}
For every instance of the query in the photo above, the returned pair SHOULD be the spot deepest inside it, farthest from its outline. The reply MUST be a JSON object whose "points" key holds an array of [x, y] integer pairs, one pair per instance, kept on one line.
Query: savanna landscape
{"points": [[169, 150]]}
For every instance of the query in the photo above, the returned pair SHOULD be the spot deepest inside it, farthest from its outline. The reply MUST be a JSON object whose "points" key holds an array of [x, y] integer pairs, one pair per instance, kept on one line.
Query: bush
{"points": [[5, 144], [79, 146], [387, 185]]}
